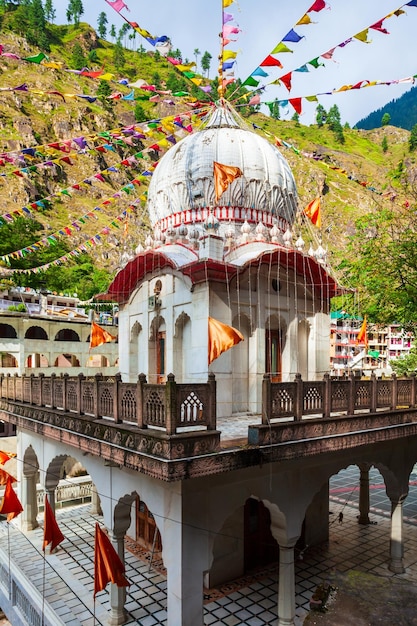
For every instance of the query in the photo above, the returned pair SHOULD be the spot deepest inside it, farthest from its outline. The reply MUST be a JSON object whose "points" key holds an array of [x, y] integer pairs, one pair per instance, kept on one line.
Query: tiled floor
{"points": [[251, 601]]}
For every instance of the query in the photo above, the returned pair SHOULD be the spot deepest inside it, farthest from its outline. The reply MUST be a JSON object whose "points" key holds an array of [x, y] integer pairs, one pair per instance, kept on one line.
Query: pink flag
{"points": [[255, 100], [118, 5]]}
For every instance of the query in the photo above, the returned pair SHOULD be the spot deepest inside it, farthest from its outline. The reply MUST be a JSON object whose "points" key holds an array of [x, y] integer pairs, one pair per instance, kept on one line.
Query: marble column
{"points": [[29, 502], [118, 614], [51, 498], [286, 586], [396, 564]]}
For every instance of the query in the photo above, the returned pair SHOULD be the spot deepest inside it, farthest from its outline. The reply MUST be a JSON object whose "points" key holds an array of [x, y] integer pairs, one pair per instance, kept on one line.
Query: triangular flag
{"points": [[221, 337], [313, 211], [4, 476], [223, 176], [5, 456], [11, 504], [362, 337], [108, 566], [51, 531], [99, 336]]}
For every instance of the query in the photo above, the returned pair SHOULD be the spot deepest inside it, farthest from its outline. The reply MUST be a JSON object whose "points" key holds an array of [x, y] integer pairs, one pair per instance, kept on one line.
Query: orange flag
{"points": [[107, 564], [4, 476], [313, 211], [220, 338], [11, 503], [51, 531], [6, 456], [363, 335], [99, 336], [223, 176]]}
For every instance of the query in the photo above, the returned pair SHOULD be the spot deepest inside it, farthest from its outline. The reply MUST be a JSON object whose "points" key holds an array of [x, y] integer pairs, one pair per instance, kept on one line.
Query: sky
{"points": [[263, 25]]}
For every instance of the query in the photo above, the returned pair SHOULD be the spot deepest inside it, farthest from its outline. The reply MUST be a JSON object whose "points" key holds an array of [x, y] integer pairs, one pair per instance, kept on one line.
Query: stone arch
{"points": [[8, 360], [60, 466], [182, 338], [30, 462], [7, 331], [36, 332], [135, 331], [66, 360], [67, 334], [30, 474], [143, 525]]}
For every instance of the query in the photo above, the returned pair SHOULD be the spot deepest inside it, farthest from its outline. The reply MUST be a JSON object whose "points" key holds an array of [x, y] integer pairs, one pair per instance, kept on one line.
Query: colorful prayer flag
{"points": [[313, 211], [99, 336], [108, 566], [11, 504], [51, 531], [221, 338], [223, 176], [362, 337]]}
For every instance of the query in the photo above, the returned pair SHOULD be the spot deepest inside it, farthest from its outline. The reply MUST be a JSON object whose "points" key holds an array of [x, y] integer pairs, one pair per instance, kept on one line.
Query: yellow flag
{"points": [[223, 176], [221, 337]]}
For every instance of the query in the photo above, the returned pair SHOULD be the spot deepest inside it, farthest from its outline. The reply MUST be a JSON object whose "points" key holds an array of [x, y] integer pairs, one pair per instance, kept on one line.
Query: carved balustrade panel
{"points": [[127, 409], [47, 391], [106, 398], [339, 396], [26, 390], [88, 396], [313, 394], [404, 392], [283, 398], [72, 394], [36, 390], [19, 389], [362, 391], [384, 393], [154, 410], [192, 403], [59, 393]]}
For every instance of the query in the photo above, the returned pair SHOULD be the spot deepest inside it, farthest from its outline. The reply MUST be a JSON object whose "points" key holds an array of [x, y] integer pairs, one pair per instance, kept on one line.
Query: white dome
{"points": [[182, 186]]}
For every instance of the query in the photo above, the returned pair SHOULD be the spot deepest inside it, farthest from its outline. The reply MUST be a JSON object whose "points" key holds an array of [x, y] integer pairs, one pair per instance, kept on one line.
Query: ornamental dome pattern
{"points": [[182, 186]]}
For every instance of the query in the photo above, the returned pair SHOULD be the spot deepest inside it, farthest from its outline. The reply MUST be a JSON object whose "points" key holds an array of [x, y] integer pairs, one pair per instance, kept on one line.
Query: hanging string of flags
{"points": [[297, 103], [270, 60], [286, 79], [163, 45], [227, 58]]}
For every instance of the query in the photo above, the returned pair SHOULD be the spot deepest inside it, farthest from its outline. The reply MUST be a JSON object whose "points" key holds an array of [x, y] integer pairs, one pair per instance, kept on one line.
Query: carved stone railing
{"points": [[335, 397], [170, 407]]}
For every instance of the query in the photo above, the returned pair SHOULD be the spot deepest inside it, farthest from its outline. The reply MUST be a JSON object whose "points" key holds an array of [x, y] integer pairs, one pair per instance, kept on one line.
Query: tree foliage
{"points": [[74, 11]]}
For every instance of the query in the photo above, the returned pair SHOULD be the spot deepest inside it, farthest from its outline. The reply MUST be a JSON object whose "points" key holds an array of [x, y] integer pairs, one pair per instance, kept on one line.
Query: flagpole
{"points": [[10, 569], [43, 588], [220, 69]]}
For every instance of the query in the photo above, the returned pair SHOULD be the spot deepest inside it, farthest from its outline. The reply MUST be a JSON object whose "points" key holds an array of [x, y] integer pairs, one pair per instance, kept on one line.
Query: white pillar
{"points": [[364, 495], [29, 502], [397, 542], [118, 613], [286, 586]]}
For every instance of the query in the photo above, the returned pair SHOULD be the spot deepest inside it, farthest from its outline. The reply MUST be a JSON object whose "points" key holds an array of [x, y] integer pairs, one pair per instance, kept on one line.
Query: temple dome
{"points": [[182, 187]]}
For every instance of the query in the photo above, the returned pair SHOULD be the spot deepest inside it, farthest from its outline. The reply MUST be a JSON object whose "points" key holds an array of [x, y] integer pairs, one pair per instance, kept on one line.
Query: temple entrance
{"points": [[147, 533], [259, 545]]}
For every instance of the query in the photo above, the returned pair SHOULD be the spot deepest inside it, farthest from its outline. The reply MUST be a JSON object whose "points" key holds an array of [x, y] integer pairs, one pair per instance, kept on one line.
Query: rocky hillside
{"points": [[77, 153]]}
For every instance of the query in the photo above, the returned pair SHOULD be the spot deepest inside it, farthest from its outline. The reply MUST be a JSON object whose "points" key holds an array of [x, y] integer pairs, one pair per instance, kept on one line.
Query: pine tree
{"points": [[49, 10], [78, 60], [412, 142], [321, 116], [205, 63], [74, 11], [386, 118], [384, 144], [102, 25], [36, 33], [118, 55]]}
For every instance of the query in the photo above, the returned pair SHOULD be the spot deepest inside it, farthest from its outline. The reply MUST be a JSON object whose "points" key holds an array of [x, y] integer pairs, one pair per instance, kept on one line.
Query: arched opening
{"points": [[134, 351], [37, 360], [260, 547], [36, 332], [97, 360], [7, 331], [275, 332], [67, 360], [8, 360], [157, 351], [67, 334], [182, 339]]}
